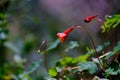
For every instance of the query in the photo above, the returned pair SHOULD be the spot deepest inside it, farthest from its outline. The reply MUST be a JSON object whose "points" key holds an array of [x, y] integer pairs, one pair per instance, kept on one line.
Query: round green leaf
{"points": [[52, 72]]}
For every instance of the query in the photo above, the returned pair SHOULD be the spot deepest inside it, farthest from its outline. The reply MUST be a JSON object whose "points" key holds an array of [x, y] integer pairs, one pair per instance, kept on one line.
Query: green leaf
{"points": [[52, 46], [114, 68], [12, 46], [52, 72], [24, 76], [67, 61], [89, 51], [117, 23], [99, 48], [3, 36], [111, 71], [117, 48], [97, 78], [66, 78], [2, 16], [90, 66], [34, 66], [111, 22], [83, 58], [73, 44]]}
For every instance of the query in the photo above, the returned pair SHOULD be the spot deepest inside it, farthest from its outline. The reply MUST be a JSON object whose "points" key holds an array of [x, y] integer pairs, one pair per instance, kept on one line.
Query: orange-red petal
{"points": [[67, 31], [61, 37], [89, 18]]}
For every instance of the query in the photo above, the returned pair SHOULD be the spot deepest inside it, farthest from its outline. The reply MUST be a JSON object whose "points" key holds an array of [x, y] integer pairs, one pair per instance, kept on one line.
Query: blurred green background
{"points": [[24, 24]]}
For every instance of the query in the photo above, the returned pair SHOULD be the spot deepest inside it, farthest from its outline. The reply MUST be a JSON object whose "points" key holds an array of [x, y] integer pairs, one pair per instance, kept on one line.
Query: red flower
{"points": [[89, 18], [62, 36]]}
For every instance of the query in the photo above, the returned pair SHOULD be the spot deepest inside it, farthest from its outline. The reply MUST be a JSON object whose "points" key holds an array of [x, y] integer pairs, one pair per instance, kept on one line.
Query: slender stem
{"points": [[71, 68], [92, 42], [43, 45], [100, 20], [45, 61], [94, 46]]}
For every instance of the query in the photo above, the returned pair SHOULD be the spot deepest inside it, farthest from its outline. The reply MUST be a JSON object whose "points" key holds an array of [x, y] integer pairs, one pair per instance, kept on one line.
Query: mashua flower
{"points": [[89, 18], [62, 36]]}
